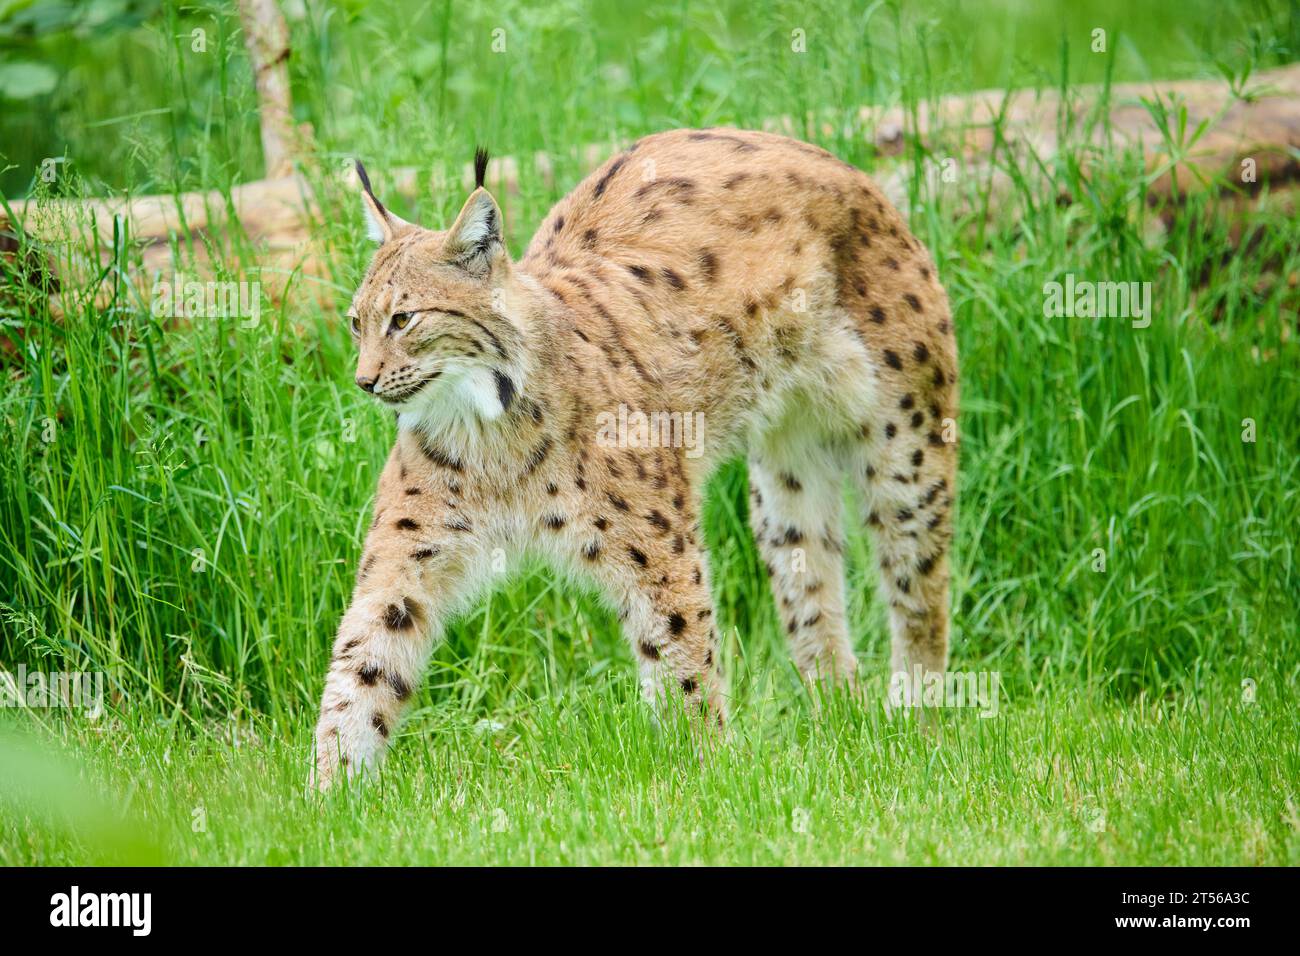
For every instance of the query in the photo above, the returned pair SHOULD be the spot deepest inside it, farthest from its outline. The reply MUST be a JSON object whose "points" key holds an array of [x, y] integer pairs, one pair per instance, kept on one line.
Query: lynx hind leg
{"points": [[796, 514], [908, 484]]}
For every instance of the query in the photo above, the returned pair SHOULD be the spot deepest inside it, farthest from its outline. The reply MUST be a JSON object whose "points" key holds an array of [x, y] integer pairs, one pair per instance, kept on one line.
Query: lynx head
{"points": [[434, 337]]}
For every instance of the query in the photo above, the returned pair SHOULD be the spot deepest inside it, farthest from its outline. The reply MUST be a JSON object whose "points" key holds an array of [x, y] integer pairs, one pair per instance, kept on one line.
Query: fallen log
{"points": [[1191, 136]]}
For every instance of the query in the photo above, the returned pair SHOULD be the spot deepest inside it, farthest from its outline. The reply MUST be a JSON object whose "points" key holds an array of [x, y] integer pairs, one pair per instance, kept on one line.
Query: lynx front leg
{"points": [[667, 615], [677, 651], [405, 590]]}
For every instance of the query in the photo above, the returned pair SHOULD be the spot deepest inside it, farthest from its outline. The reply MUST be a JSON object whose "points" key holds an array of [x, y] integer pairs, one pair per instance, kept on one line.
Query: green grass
{"points": [[585, 779], [182, 507]]}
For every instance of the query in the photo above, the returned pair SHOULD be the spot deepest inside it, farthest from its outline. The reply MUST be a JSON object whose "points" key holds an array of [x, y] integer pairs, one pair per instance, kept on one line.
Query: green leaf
{"points": [[21, 81]]}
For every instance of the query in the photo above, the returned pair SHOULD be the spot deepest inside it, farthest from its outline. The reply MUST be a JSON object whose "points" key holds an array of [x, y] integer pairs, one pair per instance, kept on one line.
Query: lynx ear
{"points": [[381, 225], [474, 236]]}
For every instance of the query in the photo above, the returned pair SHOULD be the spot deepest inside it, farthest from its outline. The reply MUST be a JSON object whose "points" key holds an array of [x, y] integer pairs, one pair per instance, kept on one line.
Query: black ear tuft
{"points": [[365, 184], [480, 166]]}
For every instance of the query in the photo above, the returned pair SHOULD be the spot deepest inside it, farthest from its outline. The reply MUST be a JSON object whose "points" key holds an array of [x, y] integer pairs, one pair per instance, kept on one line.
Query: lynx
{"points": [[751, 283]]}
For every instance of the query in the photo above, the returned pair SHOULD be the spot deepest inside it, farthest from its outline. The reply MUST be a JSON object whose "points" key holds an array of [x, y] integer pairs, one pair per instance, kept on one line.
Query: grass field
{"points": [[182, 507]]}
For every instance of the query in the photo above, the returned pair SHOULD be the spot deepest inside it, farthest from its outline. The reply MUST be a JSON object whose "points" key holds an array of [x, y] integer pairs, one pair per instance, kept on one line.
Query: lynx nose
{"points": [[366, 383]]}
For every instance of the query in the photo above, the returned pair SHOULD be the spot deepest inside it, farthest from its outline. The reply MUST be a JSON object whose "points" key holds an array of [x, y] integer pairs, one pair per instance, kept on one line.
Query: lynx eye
{"points": [[402, 319], [356, 325]]}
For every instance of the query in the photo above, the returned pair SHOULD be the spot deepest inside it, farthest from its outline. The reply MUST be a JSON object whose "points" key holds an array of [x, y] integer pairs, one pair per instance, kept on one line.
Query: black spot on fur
{"points": [[616, 501], [554, 522], [688, 685], [673, 279], [913, 301], [681, 190], [921, 353], [676, 623], [738, 144], [591, 551], [658, 521], [650, 651], [877, 315], [917, 457], [892, 360], [368, 675], [638, 556], [401, 688], [440, 457], [792, 536], [407, 524], [642, 273], [603, 183], [907, 401], [400, 617], [537, 456], [424, 554], [890, 429], [496, 342], [918, 419], [505, 389], [379, 724], [708, 264], [791, 482]]}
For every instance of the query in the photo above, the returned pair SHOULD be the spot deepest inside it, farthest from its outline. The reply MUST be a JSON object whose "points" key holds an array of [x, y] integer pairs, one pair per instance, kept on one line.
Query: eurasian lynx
{"points": [[750, 283]]}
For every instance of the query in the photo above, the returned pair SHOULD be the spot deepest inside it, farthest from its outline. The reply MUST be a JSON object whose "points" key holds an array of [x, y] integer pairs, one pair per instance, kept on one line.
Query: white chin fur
{"points": [[459, 397]]}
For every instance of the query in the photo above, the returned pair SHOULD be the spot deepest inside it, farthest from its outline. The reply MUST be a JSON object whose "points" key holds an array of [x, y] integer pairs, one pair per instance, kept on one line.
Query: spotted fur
{"points": [[749, 277]]}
